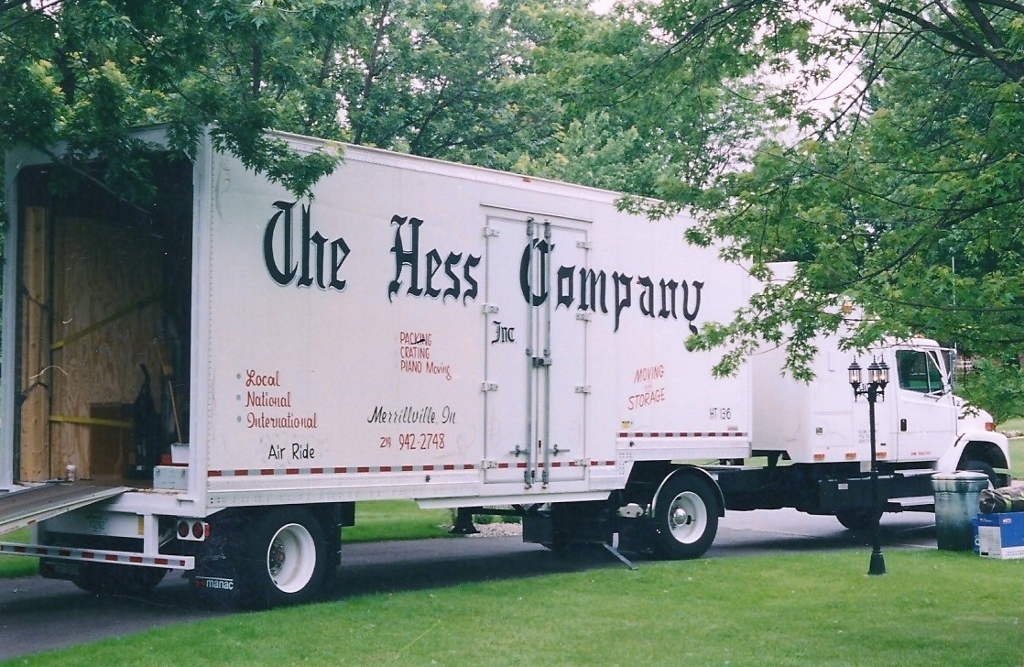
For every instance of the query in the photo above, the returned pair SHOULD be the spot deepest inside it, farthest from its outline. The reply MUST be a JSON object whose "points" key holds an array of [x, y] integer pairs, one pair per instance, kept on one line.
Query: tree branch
{"points": [[41, 9], [13, 4], [371, 68], [1012, 70]]}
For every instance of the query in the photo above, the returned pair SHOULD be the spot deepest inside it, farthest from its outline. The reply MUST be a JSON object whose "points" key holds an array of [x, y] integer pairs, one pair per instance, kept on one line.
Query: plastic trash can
{"points": [[956, 503]]}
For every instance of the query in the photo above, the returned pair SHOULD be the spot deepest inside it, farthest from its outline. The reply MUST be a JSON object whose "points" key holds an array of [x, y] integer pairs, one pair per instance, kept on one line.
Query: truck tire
{"points": [[112, 579], [857, 519], [685, 517], [285, 559], [982, 467]]}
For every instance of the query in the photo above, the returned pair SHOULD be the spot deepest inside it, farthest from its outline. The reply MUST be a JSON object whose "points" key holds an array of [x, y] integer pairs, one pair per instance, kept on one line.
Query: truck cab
{"points": [[929, 413], [816, 436], [919, 420]]}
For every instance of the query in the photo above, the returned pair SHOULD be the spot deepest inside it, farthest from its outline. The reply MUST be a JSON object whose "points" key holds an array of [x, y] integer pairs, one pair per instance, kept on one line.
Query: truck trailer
{"points": [[210, 381]]}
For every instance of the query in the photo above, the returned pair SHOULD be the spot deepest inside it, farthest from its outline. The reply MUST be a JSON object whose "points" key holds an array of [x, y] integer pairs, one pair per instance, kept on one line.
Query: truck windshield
{"points": [[919, 371]]}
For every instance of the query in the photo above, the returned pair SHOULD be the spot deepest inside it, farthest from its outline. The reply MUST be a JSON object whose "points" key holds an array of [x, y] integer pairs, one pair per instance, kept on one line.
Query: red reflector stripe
{"points": [[342, 470]]}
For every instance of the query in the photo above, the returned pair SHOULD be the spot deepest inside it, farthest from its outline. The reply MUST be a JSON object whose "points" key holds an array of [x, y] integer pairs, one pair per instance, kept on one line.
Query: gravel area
{"points": [[498, 530]]}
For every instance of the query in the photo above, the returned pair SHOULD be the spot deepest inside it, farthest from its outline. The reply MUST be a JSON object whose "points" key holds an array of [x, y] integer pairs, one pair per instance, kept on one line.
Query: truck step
{"points": [[918, 472], [911, 504]]}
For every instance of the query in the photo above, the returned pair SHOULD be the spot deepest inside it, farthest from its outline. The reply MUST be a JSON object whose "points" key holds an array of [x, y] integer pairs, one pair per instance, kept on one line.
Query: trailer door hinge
{"points": [[489, 386], [583, 317], [584, 245], [490, 309], [583, 389], [487, 464], [491, 231]]}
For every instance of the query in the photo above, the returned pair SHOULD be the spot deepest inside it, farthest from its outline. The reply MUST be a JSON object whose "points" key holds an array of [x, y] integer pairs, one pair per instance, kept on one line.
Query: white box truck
{"points": [[209, 382]]}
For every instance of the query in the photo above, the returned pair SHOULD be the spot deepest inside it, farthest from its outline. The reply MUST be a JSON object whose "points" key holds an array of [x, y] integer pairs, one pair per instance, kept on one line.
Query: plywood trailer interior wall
{"points": [[105, 291]]}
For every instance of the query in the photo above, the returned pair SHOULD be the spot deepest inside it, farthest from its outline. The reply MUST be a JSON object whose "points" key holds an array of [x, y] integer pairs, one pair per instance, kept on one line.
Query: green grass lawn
{"points": [[932, 609], [1015, 424], [17, 566], [1016, 447], [1017, 458], [396, 520]]}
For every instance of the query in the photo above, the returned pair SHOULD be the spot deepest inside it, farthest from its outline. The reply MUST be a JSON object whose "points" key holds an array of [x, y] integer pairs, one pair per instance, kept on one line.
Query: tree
{"points": [[626, 117], [437, 79], [905, 195], [544, 87], [997, 385], [81, 74]]}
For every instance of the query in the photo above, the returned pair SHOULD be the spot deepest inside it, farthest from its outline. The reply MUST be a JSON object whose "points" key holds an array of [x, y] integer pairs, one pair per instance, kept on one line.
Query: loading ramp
{"points": [[32, 504]]}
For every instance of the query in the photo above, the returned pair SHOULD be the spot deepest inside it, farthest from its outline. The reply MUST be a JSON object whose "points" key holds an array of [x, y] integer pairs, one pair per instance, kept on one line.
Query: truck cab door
{"points": [[925, 411], [534, 392]]}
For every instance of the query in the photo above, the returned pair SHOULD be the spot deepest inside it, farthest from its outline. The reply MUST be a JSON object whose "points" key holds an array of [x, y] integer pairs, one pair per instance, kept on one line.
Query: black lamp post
{"points": [[878, 377]]}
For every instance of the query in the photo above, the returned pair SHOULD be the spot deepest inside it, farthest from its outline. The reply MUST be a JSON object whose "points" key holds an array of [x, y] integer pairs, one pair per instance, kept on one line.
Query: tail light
{"points": [[193, 530]]}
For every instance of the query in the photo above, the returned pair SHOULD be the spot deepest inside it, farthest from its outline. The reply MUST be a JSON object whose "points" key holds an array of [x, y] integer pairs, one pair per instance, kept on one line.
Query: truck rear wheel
{"points": [[286, 559], [685, 517]]}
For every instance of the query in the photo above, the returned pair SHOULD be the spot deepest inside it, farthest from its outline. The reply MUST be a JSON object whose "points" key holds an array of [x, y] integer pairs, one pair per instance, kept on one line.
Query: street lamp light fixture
{"points": [[879, 373], [878, 378], [854, 374]]}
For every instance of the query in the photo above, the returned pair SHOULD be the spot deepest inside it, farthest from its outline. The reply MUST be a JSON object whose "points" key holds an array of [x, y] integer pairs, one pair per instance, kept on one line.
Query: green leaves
{"points": [[997, 384], [546, 86], [906, 196], [84, 74]]}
